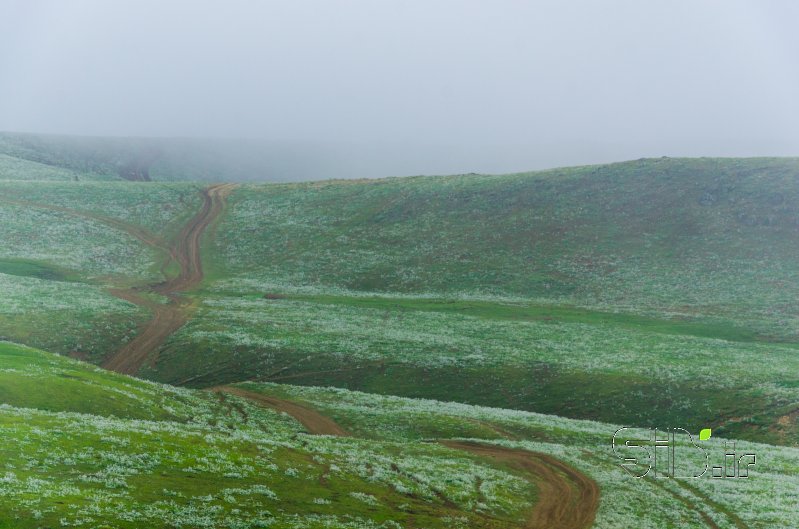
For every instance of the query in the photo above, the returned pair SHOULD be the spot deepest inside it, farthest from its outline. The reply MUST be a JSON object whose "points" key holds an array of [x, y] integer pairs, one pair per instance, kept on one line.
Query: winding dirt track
{"points": [[137, 232], [567, 499], [171, 316], [313, 421]]}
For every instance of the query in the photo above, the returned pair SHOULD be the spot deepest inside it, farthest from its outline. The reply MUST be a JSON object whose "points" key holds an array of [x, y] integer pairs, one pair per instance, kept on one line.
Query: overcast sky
{"points": [[490, 86]]}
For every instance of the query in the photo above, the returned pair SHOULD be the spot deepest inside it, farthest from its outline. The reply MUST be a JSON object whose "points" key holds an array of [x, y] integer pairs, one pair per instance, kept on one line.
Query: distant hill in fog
{"points": [[168, 159]]}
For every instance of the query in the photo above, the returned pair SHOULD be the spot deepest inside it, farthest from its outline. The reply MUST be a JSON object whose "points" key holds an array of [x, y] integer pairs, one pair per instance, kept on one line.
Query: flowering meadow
{"points": [[529, 313], [765, 499], [65, 245], [119, 452]]}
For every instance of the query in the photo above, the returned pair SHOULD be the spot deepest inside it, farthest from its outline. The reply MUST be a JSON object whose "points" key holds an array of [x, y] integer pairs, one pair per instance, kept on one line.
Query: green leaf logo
{"points": [[704, 435]]}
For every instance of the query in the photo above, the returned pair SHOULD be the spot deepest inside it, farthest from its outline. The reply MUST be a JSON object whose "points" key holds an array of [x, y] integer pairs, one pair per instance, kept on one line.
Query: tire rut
{"points": [[134, 231], [168, 317], [568, 499], [313, 421]]}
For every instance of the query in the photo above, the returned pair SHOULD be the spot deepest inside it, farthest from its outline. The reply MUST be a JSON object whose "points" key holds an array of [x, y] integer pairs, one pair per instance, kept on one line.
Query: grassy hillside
{"points": [[629, 293], [648, 293], [202, 460], [761, 501], [707, 234], [634, 293], [119, 452], [30, 378], [12, 168], [65, 245], [610, 372]]}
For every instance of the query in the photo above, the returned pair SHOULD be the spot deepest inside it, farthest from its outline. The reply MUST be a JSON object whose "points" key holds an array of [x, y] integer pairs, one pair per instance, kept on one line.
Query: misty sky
{"points": [[451, 85]]}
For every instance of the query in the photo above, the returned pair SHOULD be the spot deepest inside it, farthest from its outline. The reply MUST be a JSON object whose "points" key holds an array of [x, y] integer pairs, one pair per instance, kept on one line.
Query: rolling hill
{"points": [[54, 157], [96, 449], [130, 453], [516, 320], [569, 292]]}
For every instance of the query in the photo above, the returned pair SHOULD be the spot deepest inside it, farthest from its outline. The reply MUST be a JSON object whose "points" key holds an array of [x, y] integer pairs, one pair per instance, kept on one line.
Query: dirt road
{"points": [[313, 421], [567, 499], [168, 317], [186, 247]]}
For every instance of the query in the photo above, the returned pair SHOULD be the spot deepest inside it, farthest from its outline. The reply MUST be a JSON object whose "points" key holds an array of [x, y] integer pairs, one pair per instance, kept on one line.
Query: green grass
{"points": [[520, 311], [756, 503], [661, 284], [570, 362], [30, 378], [77, 452], [82, 233], [25, 268], [13, 168], [650, 293], [641, 235], [202, 460], [570, 288]]}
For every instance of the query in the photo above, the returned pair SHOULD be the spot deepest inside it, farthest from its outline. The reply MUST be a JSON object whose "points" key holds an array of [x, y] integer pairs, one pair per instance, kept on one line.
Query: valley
{"points": [[450, 351]]}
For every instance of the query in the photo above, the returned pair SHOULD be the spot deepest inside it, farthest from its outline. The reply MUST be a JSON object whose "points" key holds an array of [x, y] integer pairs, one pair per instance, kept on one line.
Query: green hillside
{"points": [[66, 244], [34, 379], [12, 168], [651, 503], [629, 293], [203, 460], [634, 292], [709, 235], [77, 453], [481, 319]]}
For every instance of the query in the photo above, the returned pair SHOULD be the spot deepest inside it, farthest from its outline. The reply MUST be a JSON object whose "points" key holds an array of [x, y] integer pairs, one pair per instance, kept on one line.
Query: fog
{"points": [[409, 87]]}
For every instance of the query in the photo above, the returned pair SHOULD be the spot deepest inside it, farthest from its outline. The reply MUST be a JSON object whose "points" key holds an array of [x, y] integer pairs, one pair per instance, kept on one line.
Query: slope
{"points": [[579, 452], [221, 461], [180, 159], [78, 453], [619, 293]]}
